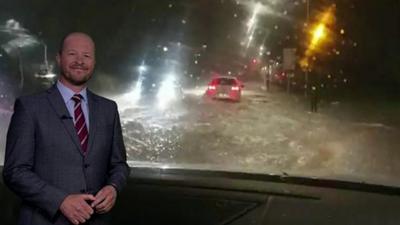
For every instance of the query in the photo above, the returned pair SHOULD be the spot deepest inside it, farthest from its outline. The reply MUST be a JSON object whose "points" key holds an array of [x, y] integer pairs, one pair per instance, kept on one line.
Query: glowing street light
{"points": [[318, 35], [142, 69], [320, 31]]}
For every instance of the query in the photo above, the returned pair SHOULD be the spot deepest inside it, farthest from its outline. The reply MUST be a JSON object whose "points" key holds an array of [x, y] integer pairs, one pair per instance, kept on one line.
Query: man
{"points": [[65, 155]]}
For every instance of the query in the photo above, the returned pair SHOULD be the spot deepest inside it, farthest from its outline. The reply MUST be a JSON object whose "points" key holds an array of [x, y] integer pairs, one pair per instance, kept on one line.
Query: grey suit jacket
{"points": [[44, 162]]}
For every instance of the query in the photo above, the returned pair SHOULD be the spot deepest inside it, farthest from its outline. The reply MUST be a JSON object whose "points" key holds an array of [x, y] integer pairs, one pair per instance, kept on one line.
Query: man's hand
{"points": [[105, 199], [76, 208]]}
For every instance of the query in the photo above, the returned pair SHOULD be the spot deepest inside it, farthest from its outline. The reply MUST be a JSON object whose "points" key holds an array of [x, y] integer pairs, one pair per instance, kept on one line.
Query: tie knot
{"points": [[77, 98]]}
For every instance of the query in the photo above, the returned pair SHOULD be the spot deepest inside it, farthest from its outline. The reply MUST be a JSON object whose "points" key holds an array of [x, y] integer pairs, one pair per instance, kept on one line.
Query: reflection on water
{"points": [[264, 133]]}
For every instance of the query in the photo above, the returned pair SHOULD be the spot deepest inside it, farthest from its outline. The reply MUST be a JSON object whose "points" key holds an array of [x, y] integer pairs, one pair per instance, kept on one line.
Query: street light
{"points": [[46, 62], [318, 34], [142, 68]]}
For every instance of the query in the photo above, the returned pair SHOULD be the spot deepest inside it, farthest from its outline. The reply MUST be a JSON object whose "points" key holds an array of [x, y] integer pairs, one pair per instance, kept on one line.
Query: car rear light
{"points": [[211, 87], [235, 88]]}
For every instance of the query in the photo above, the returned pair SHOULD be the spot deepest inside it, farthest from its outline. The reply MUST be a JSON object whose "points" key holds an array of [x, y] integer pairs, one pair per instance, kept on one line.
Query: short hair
{"points": [[61, 44]]}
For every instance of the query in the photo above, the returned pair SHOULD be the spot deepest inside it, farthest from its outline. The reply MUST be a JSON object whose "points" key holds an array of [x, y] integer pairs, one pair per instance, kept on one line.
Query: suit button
{"points": [[86, 165], [83, 191]]}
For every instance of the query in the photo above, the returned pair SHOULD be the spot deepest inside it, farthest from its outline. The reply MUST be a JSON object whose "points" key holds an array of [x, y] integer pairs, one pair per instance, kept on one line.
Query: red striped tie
{"points": [[80, 124]]}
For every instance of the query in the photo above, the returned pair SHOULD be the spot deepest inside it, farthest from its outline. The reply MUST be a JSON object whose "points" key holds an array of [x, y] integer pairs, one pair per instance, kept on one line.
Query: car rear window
{"points": [[224, 81]]}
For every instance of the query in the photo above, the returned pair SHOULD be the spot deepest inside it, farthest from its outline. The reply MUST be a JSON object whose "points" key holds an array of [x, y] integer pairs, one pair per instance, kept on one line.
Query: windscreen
{"points": [[321, 80]]}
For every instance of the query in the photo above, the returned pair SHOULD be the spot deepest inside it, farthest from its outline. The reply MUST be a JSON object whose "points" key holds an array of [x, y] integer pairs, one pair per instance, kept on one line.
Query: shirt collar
{"points": [[67, 93]]}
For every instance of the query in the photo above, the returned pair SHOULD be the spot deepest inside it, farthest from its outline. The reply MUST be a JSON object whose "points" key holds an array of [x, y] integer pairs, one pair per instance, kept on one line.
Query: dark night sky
{"points": [[126, 32]]}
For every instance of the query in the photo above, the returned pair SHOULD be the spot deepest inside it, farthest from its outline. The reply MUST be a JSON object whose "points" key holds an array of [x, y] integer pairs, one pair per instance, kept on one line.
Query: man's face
{"points": [[77, 59]]}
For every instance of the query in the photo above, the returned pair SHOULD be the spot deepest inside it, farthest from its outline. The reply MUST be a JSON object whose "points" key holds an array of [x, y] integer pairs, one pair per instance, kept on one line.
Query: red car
{"points": [[225, 88]]}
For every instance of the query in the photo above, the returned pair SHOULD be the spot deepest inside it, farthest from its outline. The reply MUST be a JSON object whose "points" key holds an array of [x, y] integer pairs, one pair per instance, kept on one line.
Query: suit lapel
{"points": [[93, 110], [58, 104]]}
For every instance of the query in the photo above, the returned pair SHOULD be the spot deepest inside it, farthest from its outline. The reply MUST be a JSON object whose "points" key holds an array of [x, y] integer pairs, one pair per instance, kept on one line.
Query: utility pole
{"points": [[269, 77], [306, 72]]}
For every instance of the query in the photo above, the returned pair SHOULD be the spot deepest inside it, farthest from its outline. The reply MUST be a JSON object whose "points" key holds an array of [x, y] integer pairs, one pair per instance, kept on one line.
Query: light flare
{"points": [[321, 32], [167, 92]]}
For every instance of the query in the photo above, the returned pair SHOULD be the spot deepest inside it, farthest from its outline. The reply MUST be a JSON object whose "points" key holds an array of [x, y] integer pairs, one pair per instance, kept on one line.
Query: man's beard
{"points": [[76, 82]]}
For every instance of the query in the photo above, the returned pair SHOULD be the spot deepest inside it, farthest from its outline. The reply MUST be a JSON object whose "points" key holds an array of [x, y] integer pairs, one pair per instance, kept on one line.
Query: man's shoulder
{"points": [[32, 102], [33, 98], [106, 102]]}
